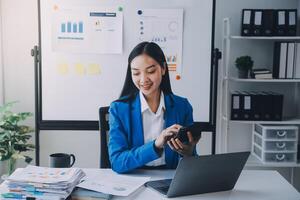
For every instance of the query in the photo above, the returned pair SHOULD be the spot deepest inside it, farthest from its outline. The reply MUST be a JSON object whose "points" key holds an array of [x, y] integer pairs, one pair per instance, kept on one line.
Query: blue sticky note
{"points": [[13, 195]]}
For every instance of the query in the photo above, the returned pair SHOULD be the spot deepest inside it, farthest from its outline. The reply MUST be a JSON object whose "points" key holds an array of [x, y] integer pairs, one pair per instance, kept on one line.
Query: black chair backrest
{"points": [[104, 131]]}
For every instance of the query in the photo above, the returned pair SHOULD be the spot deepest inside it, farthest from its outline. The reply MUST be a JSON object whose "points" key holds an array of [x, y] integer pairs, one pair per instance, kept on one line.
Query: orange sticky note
{"points": [[55, 7]]}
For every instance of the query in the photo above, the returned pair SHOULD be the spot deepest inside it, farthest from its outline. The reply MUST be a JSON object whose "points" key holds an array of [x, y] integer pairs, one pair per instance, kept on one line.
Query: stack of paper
{"points": [[44, 183]]}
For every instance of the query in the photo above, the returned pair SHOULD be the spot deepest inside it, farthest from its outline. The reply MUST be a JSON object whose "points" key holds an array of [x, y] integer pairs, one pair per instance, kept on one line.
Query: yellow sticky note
{"points": [[79, 69], [63, 69], [94, 69]]}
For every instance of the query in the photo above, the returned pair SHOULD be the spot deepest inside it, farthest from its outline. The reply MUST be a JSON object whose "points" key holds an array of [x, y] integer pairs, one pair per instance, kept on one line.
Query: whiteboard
{"points": [[75, 97]]}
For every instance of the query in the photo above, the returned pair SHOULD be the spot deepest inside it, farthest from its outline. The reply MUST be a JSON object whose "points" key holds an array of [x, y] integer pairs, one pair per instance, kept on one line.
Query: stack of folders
{"points": [[286, 60], [269, 22], [43, 183], [84, 194], [256, 106], [261, 74]]}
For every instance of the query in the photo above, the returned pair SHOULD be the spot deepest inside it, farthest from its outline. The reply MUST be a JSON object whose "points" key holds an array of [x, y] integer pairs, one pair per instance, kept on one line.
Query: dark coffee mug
{"points": [[61, 160]]}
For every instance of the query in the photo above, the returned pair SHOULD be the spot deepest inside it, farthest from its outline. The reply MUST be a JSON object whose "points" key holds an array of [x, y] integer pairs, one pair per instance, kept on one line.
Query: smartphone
{"points": [[182, 133]]}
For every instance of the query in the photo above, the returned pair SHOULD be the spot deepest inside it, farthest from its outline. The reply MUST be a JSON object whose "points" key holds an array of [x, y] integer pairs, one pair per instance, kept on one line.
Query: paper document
{"points": [[44, 175], [86, 29], [109, 182], [164, 27]]}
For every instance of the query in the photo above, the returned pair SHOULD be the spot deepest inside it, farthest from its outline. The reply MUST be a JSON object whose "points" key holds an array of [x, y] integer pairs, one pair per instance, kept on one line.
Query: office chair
{"points": [[104, 131]]}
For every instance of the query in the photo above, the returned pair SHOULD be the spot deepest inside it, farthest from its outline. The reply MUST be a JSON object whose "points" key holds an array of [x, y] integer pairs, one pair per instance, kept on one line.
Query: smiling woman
{"points": [[146, 118], [147, 75]]}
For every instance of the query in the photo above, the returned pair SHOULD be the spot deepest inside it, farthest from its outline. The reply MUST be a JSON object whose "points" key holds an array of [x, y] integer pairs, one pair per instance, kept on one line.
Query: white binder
{"points": [[290, 60], [297, 61], [282, 62]]}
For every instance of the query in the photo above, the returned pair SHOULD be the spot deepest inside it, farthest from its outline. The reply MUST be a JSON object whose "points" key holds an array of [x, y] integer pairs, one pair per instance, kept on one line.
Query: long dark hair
{"points": [[154, 51]]}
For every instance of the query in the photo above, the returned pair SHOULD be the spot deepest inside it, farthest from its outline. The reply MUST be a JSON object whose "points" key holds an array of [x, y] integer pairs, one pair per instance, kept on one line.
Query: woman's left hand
{"points": [[184, 149]]}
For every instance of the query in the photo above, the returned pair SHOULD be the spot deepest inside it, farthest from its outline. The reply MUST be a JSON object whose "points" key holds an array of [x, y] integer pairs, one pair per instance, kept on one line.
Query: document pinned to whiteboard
{"points": [[109, 182], [87, 30], [164, 27]]}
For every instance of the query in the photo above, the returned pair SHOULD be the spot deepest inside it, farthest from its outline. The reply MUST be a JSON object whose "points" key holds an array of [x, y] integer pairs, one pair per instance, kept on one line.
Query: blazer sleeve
{"points": [[124, 158]]}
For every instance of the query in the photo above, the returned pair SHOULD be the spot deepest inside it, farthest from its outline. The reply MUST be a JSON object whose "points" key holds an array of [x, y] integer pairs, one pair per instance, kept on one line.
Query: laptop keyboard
{"points": [[163, 189], [161, 185]]}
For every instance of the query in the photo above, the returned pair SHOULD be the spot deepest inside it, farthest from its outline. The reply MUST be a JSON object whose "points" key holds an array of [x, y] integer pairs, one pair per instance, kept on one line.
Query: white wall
{"points": [[19, 34], [1, 63], [85, 145]]}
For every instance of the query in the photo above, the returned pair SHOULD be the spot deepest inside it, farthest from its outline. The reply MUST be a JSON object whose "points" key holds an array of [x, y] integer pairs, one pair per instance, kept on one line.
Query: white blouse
{"points": [[153, 124]]}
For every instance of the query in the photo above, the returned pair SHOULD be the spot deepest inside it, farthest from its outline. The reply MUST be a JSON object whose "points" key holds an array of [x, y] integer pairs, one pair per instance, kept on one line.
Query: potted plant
{"points": [[244, 64], [14, 137]]}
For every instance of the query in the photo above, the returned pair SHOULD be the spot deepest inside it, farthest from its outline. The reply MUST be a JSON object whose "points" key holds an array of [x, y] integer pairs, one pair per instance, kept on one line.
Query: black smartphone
{"points": [[182, 133]]}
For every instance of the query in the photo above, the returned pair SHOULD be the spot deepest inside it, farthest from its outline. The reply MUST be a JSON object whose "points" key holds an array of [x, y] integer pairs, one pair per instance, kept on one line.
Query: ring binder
{"points": [[269, 22], [280, 23], [257, 26], [291, 22], [247, 22]]}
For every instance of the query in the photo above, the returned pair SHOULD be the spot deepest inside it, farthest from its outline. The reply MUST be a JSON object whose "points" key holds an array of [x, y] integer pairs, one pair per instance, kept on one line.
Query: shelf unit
{"points": [[265, 80], [284, 122], [225, 89], [292, 38]]}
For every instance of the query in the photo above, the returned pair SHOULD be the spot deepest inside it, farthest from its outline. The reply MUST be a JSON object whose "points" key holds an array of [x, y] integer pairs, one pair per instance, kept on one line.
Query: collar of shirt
{"points": [[145, 106]]}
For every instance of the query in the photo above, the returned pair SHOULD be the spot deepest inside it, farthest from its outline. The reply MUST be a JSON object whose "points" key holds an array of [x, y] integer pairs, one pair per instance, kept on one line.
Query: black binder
{"points": [[280, 60], [247, 22], [256, 106], [246, 106], [236, 106], [268, 18], [268, 111], [276, 59], [277, 106], [291, 22], [273, 104], [280, 22], [257, 23]]}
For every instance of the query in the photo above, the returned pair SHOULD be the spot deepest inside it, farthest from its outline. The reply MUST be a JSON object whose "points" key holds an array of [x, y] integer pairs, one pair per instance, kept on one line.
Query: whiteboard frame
{"points": [[94, 125]]}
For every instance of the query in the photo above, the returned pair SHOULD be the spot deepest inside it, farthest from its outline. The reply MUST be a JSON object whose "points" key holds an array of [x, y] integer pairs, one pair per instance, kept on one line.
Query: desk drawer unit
{"points": [[276, 131], [275, 144]]}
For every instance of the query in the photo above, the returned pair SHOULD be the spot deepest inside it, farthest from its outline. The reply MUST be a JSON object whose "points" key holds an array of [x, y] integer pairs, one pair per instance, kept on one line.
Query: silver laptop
{"points": [[203, 174]]}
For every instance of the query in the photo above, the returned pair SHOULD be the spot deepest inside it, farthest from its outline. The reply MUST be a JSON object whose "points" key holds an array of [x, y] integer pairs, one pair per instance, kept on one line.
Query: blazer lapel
{"points": [[170, 117], [137, 132], [170, 114]]}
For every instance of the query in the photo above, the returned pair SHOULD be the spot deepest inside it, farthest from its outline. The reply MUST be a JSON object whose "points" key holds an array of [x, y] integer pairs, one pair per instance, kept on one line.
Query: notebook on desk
{"points": [[84, 194], [203, 174]]}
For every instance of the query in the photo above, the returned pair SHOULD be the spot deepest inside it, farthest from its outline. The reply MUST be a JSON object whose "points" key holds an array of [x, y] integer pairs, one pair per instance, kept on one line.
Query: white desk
{"points": [[252, 184]]}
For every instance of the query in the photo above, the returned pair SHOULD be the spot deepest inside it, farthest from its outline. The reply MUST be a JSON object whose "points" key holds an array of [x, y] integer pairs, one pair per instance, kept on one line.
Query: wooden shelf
{"points": [[254, 162], [266, 38], [286, 121], [250, 80]]}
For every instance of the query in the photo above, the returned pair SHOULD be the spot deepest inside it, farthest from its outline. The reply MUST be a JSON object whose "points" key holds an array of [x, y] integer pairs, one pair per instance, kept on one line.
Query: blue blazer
{"points": [[126, 147]]}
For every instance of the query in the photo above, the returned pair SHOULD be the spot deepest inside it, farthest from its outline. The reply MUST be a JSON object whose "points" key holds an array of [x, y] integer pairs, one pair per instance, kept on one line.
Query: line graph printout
{"points": [[164, 27]]}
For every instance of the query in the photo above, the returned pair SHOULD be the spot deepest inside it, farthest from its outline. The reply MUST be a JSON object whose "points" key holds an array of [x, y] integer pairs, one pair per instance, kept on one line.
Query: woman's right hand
{"points": [[166, 135]]}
